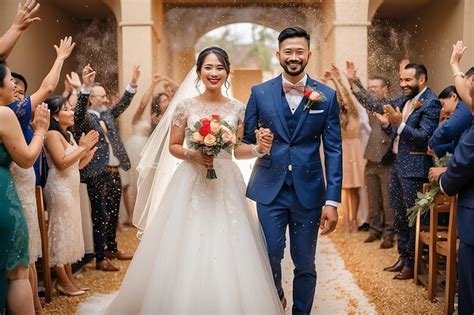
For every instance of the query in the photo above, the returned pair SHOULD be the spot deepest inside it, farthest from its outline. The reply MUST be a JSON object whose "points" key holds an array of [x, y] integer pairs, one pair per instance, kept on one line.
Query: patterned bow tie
{"points": [[297, 88]]}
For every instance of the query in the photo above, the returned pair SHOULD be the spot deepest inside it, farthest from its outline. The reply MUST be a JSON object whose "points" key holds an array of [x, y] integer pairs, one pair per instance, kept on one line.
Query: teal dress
{"points": [[13, 228]]}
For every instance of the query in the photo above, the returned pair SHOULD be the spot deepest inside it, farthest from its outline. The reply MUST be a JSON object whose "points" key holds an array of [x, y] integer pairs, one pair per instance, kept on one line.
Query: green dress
{"points": [[13, 228]]}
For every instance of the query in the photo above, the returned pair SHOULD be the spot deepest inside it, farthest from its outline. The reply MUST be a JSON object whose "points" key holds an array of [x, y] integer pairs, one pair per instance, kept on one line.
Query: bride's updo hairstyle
{"points": [[221, 54]]}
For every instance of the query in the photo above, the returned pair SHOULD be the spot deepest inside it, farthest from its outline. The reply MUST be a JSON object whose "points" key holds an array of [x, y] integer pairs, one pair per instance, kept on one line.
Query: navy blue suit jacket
{"points": [[459, 179], [85, 122], [412, 158], [299, 151], [446, 136]]}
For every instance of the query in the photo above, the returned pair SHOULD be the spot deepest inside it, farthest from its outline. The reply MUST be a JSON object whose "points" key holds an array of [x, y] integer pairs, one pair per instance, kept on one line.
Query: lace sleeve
{"points": [[241, 114], [180, 115]]}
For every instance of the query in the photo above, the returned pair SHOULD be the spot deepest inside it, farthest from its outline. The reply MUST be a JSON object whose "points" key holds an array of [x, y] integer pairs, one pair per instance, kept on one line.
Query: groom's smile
{"points": [[293, 55]]}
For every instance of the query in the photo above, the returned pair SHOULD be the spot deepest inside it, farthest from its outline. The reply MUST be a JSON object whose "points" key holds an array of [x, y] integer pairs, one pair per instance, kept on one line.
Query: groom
{"points": [[288, 184]]}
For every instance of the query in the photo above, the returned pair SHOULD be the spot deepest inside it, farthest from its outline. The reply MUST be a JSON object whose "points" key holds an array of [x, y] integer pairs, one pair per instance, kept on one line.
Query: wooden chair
{"points": [[44, 243], [440, 241]]}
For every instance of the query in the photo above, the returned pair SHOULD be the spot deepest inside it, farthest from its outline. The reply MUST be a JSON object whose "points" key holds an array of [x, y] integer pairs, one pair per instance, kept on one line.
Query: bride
{"points": [[202, 251]]}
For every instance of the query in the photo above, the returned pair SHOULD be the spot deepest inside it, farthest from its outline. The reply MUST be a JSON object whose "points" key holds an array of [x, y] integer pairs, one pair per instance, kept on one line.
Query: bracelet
{"points": [[255, 152], [461, 74], [40, 135]]}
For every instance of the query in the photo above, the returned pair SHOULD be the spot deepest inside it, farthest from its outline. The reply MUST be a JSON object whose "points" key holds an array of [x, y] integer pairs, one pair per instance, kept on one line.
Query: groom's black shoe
{"points": [[396, 267]]}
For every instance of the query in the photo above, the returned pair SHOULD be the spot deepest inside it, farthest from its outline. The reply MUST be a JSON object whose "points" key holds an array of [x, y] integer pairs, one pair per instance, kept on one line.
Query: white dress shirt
{"points": [[294, 98], [113, 160]]}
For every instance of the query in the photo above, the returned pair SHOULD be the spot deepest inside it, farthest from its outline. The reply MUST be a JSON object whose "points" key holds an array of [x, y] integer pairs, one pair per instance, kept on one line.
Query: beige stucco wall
{"points": [[434, 31], [34, 54]]}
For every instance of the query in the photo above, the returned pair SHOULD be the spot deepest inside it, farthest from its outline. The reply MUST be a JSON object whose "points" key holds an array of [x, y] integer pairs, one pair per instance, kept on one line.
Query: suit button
{"points": [[290, 167]]}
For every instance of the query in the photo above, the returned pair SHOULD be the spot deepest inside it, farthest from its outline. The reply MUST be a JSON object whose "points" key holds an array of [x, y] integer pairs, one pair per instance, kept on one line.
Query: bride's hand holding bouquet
{"points": [[208, 137]]}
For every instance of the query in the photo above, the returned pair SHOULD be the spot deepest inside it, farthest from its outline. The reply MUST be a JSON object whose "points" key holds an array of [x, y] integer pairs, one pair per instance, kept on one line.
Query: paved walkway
{"points": [[336, 290]]}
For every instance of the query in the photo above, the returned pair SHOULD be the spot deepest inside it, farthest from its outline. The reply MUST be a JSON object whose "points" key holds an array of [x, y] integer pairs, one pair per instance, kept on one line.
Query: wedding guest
{"points": [[459, 179], [353, 163], [379, 157], [141, 130], [413, 116], [464, 84], [27, 179], [20, 86], [25, 16], [65, 158], [15, 289], [458, 120], [102, 174]]}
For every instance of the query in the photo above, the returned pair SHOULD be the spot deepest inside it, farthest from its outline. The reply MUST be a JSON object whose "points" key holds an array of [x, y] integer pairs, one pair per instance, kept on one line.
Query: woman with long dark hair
{"points": [[15, 290], [65, 157]]}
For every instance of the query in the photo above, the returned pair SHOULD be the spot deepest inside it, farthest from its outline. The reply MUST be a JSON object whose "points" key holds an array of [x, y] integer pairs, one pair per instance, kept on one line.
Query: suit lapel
{"points": [[304, 114], [277, 95], [421, 99]]}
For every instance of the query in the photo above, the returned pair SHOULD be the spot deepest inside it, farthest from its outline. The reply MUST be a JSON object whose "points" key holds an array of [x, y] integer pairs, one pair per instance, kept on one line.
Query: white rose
{"points": [[197, 137], [215, 126], [209, 140]]}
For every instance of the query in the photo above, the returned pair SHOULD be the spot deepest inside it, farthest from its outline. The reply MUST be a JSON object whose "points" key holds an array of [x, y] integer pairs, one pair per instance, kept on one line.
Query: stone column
{"points": [[345, 34], [135, 47]]}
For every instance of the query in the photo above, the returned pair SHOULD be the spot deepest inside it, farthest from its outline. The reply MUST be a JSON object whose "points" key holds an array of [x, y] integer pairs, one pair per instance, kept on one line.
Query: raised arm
{"points": [[24, 17], [51, 80], [360, 93], [343, 92], [146, 99], [21, 153], [458, 75], [130, 91]]}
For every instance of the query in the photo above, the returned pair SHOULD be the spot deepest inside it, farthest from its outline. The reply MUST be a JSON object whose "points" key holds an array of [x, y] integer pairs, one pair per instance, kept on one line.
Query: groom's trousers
{"points": [[303, 223]]}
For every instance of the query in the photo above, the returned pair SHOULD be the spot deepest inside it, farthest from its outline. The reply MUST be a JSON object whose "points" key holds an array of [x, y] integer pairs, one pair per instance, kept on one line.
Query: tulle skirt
{"points": [[202, 253]]}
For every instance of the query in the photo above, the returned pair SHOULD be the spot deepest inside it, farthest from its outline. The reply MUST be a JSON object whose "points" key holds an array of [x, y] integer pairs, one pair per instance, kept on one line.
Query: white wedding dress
{"points": [[202, 251]]}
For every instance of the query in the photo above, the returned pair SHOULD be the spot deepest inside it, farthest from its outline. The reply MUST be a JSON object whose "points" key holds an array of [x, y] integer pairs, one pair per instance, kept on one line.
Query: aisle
{"points": [[336, 290]]}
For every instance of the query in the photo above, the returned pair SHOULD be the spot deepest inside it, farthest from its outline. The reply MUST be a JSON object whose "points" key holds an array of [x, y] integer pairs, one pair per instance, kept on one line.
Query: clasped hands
{"points": [[390, 116], [264, 138]]}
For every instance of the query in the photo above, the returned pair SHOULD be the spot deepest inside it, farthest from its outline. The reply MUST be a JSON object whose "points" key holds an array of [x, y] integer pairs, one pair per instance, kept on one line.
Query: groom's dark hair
{"points": [[294, 31]]}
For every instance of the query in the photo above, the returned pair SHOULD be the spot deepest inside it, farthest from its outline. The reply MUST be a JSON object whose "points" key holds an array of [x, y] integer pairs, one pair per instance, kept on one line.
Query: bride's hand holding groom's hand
{"points": [[264, 140]]}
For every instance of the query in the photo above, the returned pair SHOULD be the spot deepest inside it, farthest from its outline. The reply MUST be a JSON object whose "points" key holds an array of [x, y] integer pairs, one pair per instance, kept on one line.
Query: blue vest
{"points": [[291, 122]]}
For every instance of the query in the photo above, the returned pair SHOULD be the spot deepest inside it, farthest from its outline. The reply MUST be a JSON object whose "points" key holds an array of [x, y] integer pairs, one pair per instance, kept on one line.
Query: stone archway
{"points": [[182, 40]]}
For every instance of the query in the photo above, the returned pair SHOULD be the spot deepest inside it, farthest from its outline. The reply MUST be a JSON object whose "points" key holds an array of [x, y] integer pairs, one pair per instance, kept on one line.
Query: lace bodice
{"points": [[191, 110]]}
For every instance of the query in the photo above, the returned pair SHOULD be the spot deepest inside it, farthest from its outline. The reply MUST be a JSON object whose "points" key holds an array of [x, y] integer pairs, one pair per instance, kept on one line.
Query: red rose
{"points": [[205, 130], [216, 117], [205, 122], [307, 92]]}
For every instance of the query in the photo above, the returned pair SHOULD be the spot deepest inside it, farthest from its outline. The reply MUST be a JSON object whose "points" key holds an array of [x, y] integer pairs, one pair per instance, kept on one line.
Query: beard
{"points": [[285, 66], [411, 91], [102, 108]]}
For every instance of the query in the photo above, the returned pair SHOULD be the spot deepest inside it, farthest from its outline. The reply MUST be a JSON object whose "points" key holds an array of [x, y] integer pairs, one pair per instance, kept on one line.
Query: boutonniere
{"points": [[417, 104], [313, 96]]}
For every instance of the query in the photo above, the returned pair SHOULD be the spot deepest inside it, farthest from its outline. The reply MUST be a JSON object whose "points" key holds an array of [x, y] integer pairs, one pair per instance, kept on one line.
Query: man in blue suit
{"points": [[414, 116], [459, 179], [447, 135], [288, 184]]}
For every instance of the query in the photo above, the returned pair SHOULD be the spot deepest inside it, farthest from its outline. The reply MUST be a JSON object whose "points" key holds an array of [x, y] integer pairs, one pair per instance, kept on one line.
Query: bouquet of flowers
{"points": [[424, 200], [209, 136]]}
